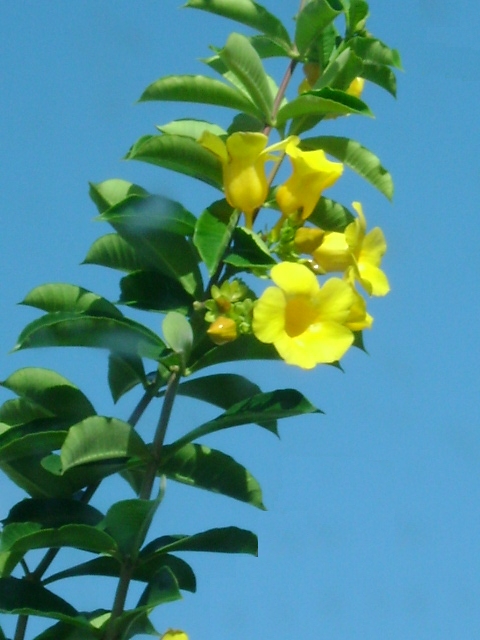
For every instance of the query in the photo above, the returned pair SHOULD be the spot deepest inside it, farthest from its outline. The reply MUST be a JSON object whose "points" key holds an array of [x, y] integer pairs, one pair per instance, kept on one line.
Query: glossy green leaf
{"points": [[16, 444], [357, 15], [128, 522], [263, 407], [19, 411], [213, 233], [112, 251], [137, 624], [330, 215], [245, 347], [162, 588], [65, 631], [98, 438], [323, 102], [198, 89], [178, 333], [63, 329], [180, 154], [340, 72], [381, 75], [324, 46], [124, 373], [144, 571], [50, 391], [110, 192], [68, 297], [249, 251], [375, 51], [221, 389], [154, 291], [312, 20], [199, 466], [53, 513], [357, 157], [29, 474], [243, 61], [248, 13], [190, 128], [244, 122], [222, 540], [27, 598], [268, 48]]}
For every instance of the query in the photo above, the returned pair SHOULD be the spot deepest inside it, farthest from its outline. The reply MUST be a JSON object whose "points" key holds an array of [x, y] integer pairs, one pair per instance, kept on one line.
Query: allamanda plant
{"points": [[271, 270]]}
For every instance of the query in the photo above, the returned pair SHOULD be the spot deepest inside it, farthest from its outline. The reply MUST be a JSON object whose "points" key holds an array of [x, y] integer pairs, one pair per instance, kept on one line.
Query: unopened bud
{"points": [[223, 330]]}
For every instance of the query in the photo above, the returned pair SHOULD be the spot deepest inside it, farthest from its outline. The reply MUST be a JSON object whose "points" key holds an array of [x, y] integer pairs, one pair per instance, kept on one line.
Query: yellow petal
{"points": [[373, 279], [174, 634], [335, 300], [269, 315], [295, 279], [214, 144], [374, 247], [246, 145], [307, 239], [356, 87], [334, 253], [321, 343]]}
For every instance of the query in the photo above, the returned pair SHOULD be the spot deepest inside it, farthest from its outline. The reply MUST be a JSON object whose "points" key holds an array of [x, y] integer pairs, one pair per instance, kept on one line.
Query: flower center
{"points": [[300, 313]]}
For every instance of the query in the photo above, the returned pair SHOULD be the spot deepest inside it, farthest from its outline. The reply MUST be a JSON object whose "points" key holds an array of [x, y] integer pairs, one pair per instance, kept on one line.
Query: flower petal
{"points": [[335, 299], [215, 144], [295, 279], [269, 315]]}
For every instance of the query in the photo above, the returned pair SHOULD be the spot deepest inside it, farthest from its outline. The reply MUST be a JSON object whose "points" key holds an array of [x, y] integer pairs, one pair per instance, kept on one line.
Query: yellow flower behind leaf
{"points": [[243, 158], [174, 634], [304, 322], [312, 174], [356, 87]]}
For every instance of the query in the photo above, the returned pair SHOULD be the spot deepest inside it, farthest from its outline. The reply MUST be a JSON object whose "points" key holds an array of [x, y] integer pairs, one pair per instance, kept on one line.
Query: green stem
{"points": [[21, 627], [120, 599]]}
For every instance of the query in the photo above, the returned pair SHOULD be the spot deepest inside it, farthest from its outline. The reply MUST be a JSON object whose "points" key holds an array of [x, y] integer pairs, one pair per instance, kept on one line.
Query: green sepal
{"points": [[199, 466], [244, 62], [312, 20], [262, 408], [64, 329], [180, 154], [201, 90], [99, 439], [47, 389], [355, 156], [213, 233], [248, 13]]}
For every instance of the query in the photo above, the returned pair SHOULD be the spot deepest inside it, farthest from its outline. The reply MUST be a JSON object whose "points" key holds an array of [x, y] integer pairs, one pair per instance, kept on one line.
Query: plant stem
{"points": [[120, 599], [21, 627]]}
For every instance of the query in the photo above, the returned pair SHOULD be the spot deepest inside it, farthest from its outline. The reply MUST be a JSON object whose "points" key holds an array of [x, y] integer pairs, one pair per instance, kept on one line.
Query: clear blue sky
{"points": [[373, 527]]}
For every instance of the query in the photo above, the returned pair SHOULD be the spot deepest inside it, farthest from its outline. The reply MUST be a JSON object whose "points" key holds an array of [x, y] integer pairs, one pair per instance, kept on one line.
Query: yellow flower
{"points": [[305, 322], [174, 634], [354, 251], [243, 158], [312, 174], [223, 330], [356, 87]]}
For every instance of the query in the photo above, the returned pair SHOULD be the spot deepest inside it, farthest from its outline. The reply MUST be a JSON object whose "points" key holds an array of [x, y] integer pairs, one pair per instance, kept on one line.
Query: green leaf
{"points": [[152, 291], [64, 329], [128, 522], [112, 251], [29, 474], [221, 389], [323, 102], [53, 513], [68, 297], [143, 572], [312, 20], [108, 193], [178, 333], [382, 76], [357, 15], [162, 588], [263, 407], [242, 60], [98, 438], [198, 89], [213, 232], [64, 631], [375, 51], [330, 215], [245, 347], [199, 466], [222, 540], [19, 411], [124, 373], [249, 13], [50, 391], [17, 443], [190, 128], [180, 154], [358, 158], [340, 72], [27, 598], [268, 48], [249, 251]]}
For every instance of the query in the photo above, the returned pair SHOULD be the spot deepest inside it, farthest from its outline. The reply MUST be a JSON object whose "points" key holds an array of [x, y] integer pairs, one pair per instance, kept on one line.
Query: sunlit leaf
{"points": [[249, 13], [112, 251], [178, 333], [357, 157], [68, 297], [213, 232], [356, 15], [381, 75], [341, 71], [199, 466], [107, 194], [20, 411], [315, 16], [190, 128], [375, 51], [127, 521], [330, 215]]}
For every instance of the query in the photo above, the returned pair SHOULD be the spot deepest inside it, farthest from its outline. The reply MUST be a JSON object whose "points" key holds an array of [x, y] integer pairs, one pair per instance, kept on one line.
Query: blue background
{"points": [[373, 526]]}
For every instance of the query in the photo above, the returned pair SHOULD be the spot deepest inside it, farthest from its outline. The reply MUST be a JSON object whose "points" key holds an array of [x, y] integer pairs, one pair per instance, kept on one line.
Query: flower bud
{"points": [[223, 330]]}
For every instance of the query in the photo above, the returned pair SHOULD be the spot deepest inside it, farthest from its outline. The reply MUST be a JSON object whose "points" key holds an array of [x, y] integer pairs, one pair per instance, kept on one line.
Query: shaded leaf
{"points": [[19, 411], [341, 71], [221, 389], [213, 232], [153, 291], [99, 438], [325, 101], [330, 215], [111, 250], [382, 76], [53, 512], [63, 329], [180, 154], [249, 251], [222, 540], [245, 347], [263, 407], [128, 522], [357, 157], [124, 373], [199, 466]]}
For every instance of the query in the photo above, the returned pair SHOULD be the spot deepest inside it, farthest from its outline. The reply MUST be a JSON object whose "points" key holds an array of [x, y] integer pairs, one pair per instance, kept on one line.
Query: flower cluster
{"points": [[307, 322]]}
